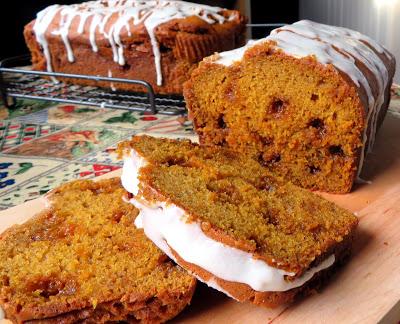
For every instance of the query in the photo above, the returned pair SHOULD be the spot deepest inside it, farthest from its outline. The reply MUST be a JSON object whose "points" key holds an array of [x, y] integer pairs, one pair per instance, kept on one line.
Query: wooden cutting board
{"points": [[365, 290]]}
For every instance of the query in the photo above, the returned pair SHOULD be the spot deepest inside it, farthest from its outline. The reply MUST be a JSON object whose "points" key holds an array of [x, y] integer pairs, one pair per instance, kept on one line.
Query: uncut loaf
{"points": [[156, 41]]}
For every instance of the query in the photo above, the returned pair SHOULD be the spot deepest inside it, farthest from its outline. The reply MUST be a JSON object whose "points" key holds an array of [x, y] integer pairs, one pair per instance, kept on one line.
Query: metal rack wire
{"points": [[18, 81]]}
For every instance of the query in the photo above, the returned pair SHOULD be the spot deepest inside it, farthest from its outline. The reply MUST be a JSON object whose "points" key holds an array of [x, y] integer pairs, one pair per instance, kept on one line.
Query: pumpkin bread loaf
{"points": [[306, 102], [83, 260], [222, 217], [156, 41]]}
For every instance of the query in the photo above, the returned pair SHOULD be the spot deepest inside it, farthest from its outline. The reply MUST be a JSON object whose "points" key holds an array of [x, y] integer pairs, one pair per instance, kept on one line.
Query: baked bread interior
{"points": [[306, 102], [83, 260]]}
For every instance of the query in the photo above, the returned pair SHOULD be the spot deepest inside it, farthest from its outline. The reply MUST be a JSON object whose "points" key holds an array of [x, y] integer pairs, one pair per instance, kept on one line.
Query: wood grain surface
{"points": [[365, 290]]}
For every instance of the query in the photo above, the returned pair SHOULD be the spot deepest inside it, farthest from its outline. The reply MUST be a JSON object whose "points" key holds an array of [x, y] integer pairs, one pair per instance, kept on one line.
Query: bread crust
{"points": [[132, 309]]}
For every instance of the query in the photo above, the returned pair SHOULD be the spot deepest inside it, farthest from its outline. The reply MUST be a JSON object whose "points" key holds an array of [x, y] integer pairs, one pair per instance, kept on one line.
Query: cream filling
{"points": [[166, 225], [166, 249], [130, 172]]}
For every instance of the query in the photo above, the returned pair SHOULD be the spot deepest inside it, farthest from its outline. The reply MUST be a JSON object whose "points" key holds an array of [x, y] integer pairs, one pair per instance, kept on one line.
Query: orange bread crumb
{"points": [[302, 119], [83, 260]]}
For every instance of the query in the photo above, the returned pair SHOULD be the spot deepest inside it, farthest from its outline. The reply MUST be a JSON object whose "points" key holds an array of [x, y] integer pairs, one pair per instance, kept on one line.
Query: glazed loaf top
{"points": [[118, 23], [357, 57]]}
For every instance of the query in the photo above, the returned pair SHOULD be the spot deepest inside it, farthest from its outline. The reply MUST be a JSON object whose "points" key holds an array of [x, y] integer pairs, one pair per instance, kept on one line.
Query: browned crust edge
{"points": [[142, 308]]}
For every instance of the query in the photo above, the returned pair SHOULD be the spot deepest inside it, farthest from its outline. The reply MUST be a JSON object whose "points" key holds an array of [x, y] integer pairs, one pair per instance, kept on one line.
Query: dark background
{"points": [[281, 11], [19, 13]]}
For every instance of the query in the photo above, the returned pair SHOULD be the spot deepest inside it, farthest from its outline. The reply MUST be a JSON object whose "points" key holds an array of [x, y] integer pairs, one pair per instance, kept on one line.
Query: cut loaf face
{"points": [[306, 102], [224, 218]]}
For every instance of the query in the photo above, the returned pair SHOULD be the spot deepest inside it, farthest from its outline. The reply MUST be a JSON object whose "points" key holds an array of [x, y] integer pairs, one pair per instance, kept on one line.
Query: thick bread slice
{"points": [[234, 202], [82, 259]]}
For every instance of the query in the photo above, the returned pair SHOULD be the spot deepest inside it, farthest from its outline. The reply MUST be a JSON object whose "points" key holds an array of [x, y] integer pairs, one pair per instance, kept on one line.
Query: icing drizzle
{"points": [[125, 13], [340, 47]]}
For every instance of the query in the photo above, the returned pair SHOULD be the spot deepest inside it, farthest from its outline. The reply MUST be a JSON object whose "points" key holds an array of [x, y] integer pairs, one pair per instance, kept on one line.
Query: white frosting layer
{"points": [[229, 57], [126, 13], [337, 46], [165, 224]]}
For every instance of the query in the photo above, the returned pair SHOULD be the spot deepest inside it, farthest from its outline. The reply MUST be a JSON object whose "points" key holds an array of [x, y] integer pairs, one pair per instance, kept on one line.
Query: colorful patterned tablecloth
{"points": [[44, 144]]}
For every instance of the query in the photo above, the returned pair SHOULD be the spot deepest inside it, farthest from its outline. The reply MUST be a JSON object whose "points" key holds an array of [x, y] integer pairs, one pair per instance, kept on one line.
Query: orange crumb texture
{"points": [[83, 259], [299, 118]]}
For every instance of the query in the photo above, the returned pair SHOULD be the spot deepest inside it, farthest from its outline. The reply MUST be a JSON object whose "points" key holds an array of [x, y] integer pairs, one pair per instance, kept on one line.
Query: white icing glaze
{"points": [[112, 86], [126, 13], [337, 46], [229, 57], [211, 282], [96, 20], [165, 224], [43, 20], [65, 24]]}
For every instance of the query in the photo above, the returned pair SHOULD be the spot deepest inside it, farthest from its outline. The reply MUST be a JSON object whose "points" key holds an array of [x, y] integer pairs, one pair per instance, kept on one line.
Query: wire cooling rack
{"points": [[18, 81]]}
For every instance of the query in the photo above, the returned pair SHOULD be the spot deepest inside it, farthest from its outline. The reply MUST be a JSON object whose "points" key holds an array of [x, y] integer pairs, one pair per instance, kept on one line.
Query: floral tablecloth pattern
{"points": [[43, 145]]}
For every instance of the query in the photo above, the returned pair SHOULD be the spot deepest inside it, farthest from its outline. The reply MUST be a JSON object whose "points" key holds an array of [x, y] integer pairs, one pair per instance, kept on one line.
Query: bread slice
{"points": [[83, 260], [222, 217]]}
